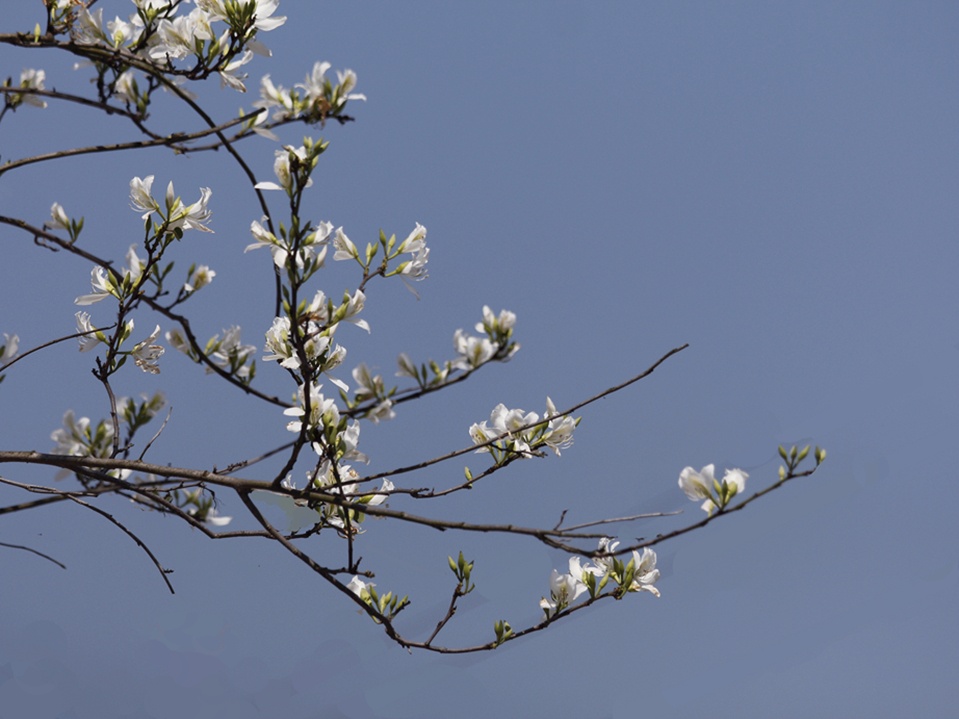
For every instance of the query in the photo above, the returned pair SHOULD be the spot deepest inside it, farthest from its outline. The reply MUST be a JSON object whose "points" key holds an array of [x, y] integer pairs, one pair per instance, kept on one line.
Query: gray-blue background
{"points": [[773, 183]]}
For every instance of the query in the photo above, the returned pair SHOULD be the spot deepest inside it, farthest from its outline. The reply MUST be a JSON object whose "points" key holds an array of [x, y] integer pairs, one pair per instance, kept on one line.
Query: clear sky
{"points": [[774, 183]]}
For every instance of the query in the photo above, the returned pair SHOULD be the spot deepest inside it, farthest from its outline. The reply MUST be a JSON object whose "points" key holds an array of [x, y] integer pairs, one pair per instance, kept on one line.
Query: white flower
{"points": [[178, 341], [263, 19], [407, 368], [315, 85], [347, 80], [506, 425], [416, 268], [563, 590], [199, 278], [323, 411], [229, 77], [607, 545], [473, 351], [58, 218], [345, 249], [735, 479], [579, 568], [123, 32], [380, 497], [415, 241], [704, 485], [265, 238], [146, 353], [103, 287], [360, 588], [493, 325], [10, 345], [125, 88], [140, 197], [282, 170], [559, 433], [88, 28], [74, 437], [278, 344], [697, 485], [189, 217], [382, 411], [178, 38], [351, 307], [214, 518], [645, 573], [275, 97], [91, 340], [31, 79]]}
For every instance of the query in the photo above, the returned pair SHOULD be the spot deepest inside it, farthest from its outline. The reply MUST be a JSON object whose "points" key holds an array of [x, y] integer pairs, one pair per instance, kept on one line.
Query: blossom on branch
{"points": [[145, 353], [704, 485], [30, 79], [58, 218], [93, 336], [188, 217], [198, 278], [644, 572], [103, 282], [141, 198]]}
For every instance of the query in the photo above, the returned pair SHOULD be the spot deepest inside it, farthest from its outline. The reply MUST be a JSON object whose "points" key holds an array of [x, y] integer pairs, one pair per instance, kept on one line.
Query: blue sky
{"points": [[773, 183]]}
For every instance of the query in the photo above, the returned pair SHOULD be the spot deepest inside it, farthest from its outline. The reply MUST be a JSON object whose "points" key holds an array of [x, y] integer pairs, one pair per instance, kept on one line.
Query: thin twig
{"points": [[33, 551]]}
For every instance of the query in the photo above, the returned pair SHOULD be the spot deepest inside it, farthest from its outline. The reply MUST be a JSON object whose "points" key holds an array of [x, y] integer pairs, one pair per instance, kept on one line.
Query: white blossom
{"points": [[345, 249], [189, 217], [199, 278], [645, 573], [473, 351], [90, 340], [141, 198], [58, 218], [145, 353], [704, 485], [10, 345], [31, 79]]}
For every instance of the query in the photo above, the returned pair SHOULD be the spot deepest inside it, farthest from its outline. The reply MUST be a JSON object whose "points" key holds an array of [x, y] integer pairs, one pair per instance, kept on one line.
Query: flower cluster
{"points": [[314, 100], [107, 283], [77, 438], [370, 388], [30, 79], [158, 34], [346, 514], [637, 575], [497, 344], [201, 506], [310, 251], [388, 605], [178, 217], [703, 485], [515, 433]]}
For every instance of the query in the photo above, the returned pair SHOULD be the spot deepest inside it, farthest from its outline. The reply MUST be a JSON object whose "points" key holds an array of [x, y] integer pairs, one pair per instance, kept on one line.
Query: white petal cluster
{"points": [[311, 251], [704, 485], [638, 575], [30, 79], [515, 432], [315, 99], [177, 36], [497, 344], [146, 353], [104, 284]]}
